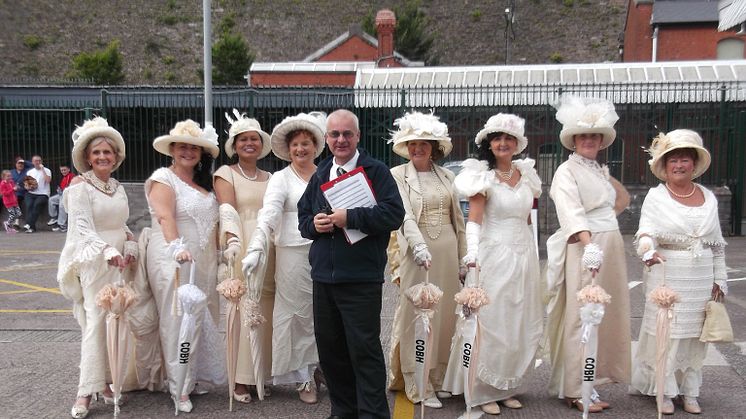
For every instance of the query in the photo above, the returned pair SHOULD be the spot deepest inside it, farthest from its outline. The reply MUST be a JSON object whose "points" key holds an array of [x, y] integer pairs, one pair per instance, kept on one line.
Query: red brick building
{"points": [[678, 30], [336, 63]]}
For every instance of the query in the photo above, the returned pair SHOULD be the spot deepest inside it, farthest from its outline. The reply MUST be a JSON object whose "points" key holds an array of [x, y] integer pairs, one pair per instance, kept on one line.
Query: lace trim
{"points": [[497, 381], [201, 208], [592, 165]]}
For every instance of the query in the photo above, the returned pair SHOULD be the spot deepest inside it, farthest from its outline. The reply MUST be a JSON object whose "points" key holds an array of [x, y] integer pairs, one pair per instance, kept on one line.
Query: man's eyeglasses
{"points": [[347, 134]]}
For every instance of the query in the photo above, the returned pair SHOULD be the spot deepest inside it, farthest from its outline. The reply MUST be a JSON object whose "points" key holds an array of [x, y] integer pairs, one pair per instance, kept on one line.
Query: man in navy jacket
{"points": [[348, 278]]}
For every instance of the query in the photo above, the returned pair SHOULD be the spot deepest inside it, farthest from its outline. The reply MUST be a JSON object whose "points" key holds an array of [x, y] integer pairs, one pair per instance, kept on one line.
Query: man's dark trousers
{"points": [[347, 324]]}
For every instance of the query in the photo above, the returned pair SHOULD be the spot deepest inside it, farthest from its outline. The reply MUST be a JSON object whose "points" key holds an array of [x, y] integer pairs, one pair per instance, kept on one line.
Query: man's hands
{"points": [[325, 223]]}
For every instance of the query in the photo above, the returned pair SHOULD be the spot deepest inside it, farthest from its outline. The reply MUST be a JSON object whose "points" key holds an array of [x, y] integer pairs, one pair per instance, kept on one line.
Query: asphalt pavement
{"points": [[40, 347]]}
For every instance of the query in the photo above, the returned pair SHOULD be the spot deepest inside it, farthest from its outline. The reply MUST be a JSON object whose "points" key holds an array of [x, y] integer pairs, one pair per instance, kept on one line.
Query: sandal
{"points": [[578, 404]]}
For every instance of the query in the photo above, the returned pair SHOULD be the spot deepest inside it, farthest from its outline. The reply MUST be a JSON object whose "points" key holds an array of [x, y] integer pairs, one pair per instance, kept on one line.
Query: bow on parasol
{"points": [[232, 289], [115, 299], [191, 302], [424, 296], [594, 299], [665, 298], [471, 297]]}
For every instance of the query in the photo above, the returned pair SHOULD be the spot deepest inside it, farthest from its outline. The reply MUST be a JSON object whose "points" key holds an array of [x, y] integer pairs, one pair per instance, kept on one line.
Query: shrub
{"points": [[168, 59], [556, 58], [32, 42], [568, 3], [231, 59], [102, 66], [476, 15]]}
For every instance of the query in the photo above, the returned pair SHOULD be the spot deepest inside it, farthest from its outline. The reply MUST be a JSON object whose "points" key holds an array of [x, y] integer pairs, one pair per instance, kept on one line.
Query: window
{"points": [[730, 49]]}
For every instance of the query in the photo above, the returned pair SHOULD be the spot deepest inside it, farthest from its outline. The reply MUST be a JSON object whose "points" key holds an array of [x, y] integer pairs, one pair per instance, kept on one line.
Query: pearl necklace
{"points": [[682, 196], [506, 176], [108, 187], [256, 173], [426, 207]]}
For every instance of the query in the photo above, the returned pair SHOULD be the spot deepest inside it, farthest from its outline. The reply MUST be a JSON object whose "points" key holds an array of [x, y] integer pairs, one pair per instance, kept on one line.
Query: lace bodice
{"points": [[192, 206]]}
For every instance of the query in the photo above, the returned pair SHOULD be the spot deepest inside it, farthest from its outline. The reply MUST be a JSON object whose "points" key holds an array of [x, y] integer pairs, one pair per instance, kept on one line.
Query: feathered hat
{"points": [[583, 115], [508, 123], [90, 130], [242, 123], [419, 126], [313, 122], [677, 139], [188, 132]]}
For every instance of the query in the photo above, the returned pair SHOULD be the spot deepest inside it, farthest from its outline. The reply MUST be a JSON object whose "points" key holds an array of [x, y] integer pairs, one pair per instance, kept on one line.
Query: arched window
{"points": [[730, 49]]}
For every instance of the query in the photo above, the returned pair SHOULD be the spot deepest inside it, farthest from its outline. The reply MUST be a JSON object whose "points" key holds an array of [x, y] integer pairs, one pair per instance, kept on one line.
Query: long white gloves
{"points": [[233, 248], [720, 271], [593, 256], [472, 242], [645, 248], [254, 253], [422, 256]]}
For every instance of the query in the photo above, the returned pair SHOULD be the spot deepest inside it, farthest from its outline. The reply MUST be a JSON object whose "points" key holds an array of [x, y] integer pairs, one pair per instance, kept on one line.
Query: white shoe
{"points": [[79, 411], [432, 403], [443, 394], [51, 222], [183, 406]]}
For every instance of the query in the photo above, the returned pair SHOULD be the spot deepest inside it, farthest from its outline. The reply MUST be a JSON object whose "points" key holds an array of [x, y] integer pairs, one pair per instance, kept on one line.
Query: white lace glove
{"points": [[593, 256], [130, 249], [176, 248], [422, 255], [720, 270], [472, 242], [250, 262], [646, 248], [233, 249], [110, 253]]}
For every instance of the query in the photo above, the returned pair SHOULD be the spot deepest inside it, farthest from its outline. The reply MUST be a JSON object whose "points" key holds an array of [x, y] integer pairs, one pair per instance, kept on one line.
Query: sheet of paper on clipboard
{"points": [[351, 190]]}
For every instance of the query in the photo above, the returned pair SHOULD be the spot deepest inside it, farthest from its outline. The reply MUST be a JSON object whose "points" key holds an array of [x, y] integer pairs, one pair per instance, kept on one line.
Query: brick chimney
{"points": [[385, 24]]}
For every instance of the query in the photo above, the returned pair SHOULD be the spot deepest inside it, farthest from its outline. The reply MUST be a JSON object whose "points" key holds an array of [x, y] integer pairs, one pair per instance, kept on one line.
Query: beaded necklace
{"points": [[108, 187], [256, 173], [682, 196], [506, 176], [426, 207], [598, 170]]}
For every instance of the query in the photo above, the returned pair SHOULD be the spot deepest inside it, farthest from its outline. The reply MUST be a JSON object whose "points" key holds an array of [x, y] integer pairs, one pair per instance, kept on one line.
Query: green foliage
{"points": [[167, 19], [476, 15], [568, 3], [32, 42], [168, 59], [101, 66], [411, 38], [171, 5], [556, 58], [231, 59], [227, 23], [170, 76]]}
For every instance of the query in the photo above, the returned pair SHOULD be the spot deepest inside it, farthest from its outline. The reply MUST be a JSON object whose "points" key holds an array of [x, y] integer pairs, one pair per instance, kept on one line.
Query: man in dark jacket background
{"points": [[348, 278]]}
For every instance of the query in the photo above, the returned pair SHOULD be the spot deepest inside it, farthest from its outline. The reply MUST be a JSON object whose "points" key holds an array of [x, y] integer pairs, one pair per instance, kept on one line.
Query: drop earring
{"points": [[199, 166]]}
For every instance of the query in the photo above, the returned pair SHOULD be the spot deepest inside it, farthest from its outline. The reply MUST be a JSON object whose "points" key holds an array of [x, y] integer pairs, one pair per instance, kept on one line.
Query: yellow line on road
{"points": [[36, 311], [32, 287], [18, 292], [28, 268], [403, 408]]}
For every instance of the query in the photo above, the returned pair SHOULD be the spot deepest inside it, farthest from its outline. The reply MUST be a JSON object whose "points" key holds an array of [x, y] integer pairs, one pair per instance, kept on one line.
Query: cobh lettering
{"points": [[466, 355], [419, 351], [589, 369], [184, 353]]}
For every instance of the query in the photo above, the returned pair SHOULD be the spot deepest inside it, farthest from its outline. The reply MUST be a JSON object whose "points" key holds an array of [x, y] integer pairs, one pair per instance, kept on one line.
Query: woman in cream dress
{"points": [[501, 194], [98, 247], [185, 217], [679, 224], [240, 190], [298, 139], [431, 238], [587, 201]]}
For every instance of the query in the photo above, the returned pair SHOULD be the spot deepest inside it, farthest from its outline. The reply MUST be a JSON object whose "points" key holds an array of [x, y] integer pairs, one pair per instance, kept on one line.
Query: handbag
{"points": [[717, 326]]}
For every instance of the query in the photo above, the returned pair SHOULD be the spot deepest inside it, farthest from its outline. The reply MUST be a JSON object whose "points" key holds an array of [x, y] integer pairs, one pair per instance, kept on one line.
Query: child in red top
{"points": [[8, 190]]}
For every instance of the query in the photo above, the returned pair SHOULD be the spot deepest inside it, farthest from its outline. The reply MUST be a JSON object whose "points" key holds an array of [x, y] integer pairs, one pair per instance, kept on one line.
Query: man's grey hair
{"points": [[345, 112]]}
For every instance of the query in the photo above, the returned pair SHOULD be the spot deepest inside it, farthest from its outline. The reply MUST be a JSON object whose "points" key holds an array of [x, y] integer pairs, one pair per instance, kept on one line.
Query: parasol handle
{"points": [[427, 276], [191, 271], [663, 274]]}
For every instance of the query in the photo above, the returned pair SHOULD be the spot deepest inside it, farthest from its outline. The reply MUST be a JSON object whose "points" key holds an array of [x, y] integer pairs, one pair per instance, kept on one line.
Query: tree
{"points": [[102, 66], [231, 59], [411, 38]]}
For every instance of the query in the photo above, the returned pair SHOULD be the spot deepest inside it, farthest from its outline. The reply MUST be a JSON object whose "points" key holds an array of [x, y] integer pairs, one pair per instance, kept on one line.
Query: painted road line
{"points": [[29, 252], [28, 267], [18, 292], [403, 408], [36, 311], [32, 287]]}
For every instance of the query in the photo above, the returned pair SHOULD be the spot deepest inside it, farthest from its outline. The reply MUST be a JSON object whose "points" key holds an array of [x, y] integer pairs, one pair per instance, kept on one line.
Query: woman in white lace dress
{"points": [[98, 247], [588, 244], [298, 139], [240, 190], [501, 194], [431, 238], [184, 216], [679, 224]]}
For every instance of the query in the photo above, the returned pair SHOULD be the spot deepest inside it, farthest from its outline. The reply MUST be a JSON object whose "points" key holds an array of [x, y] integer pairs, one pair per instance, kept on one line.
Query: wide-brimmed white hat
{"points": [[584, 115], [419, 126], [508, 123], [241, 124], [677, 139], [189, 132], [313, 122], [90, 130]]}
